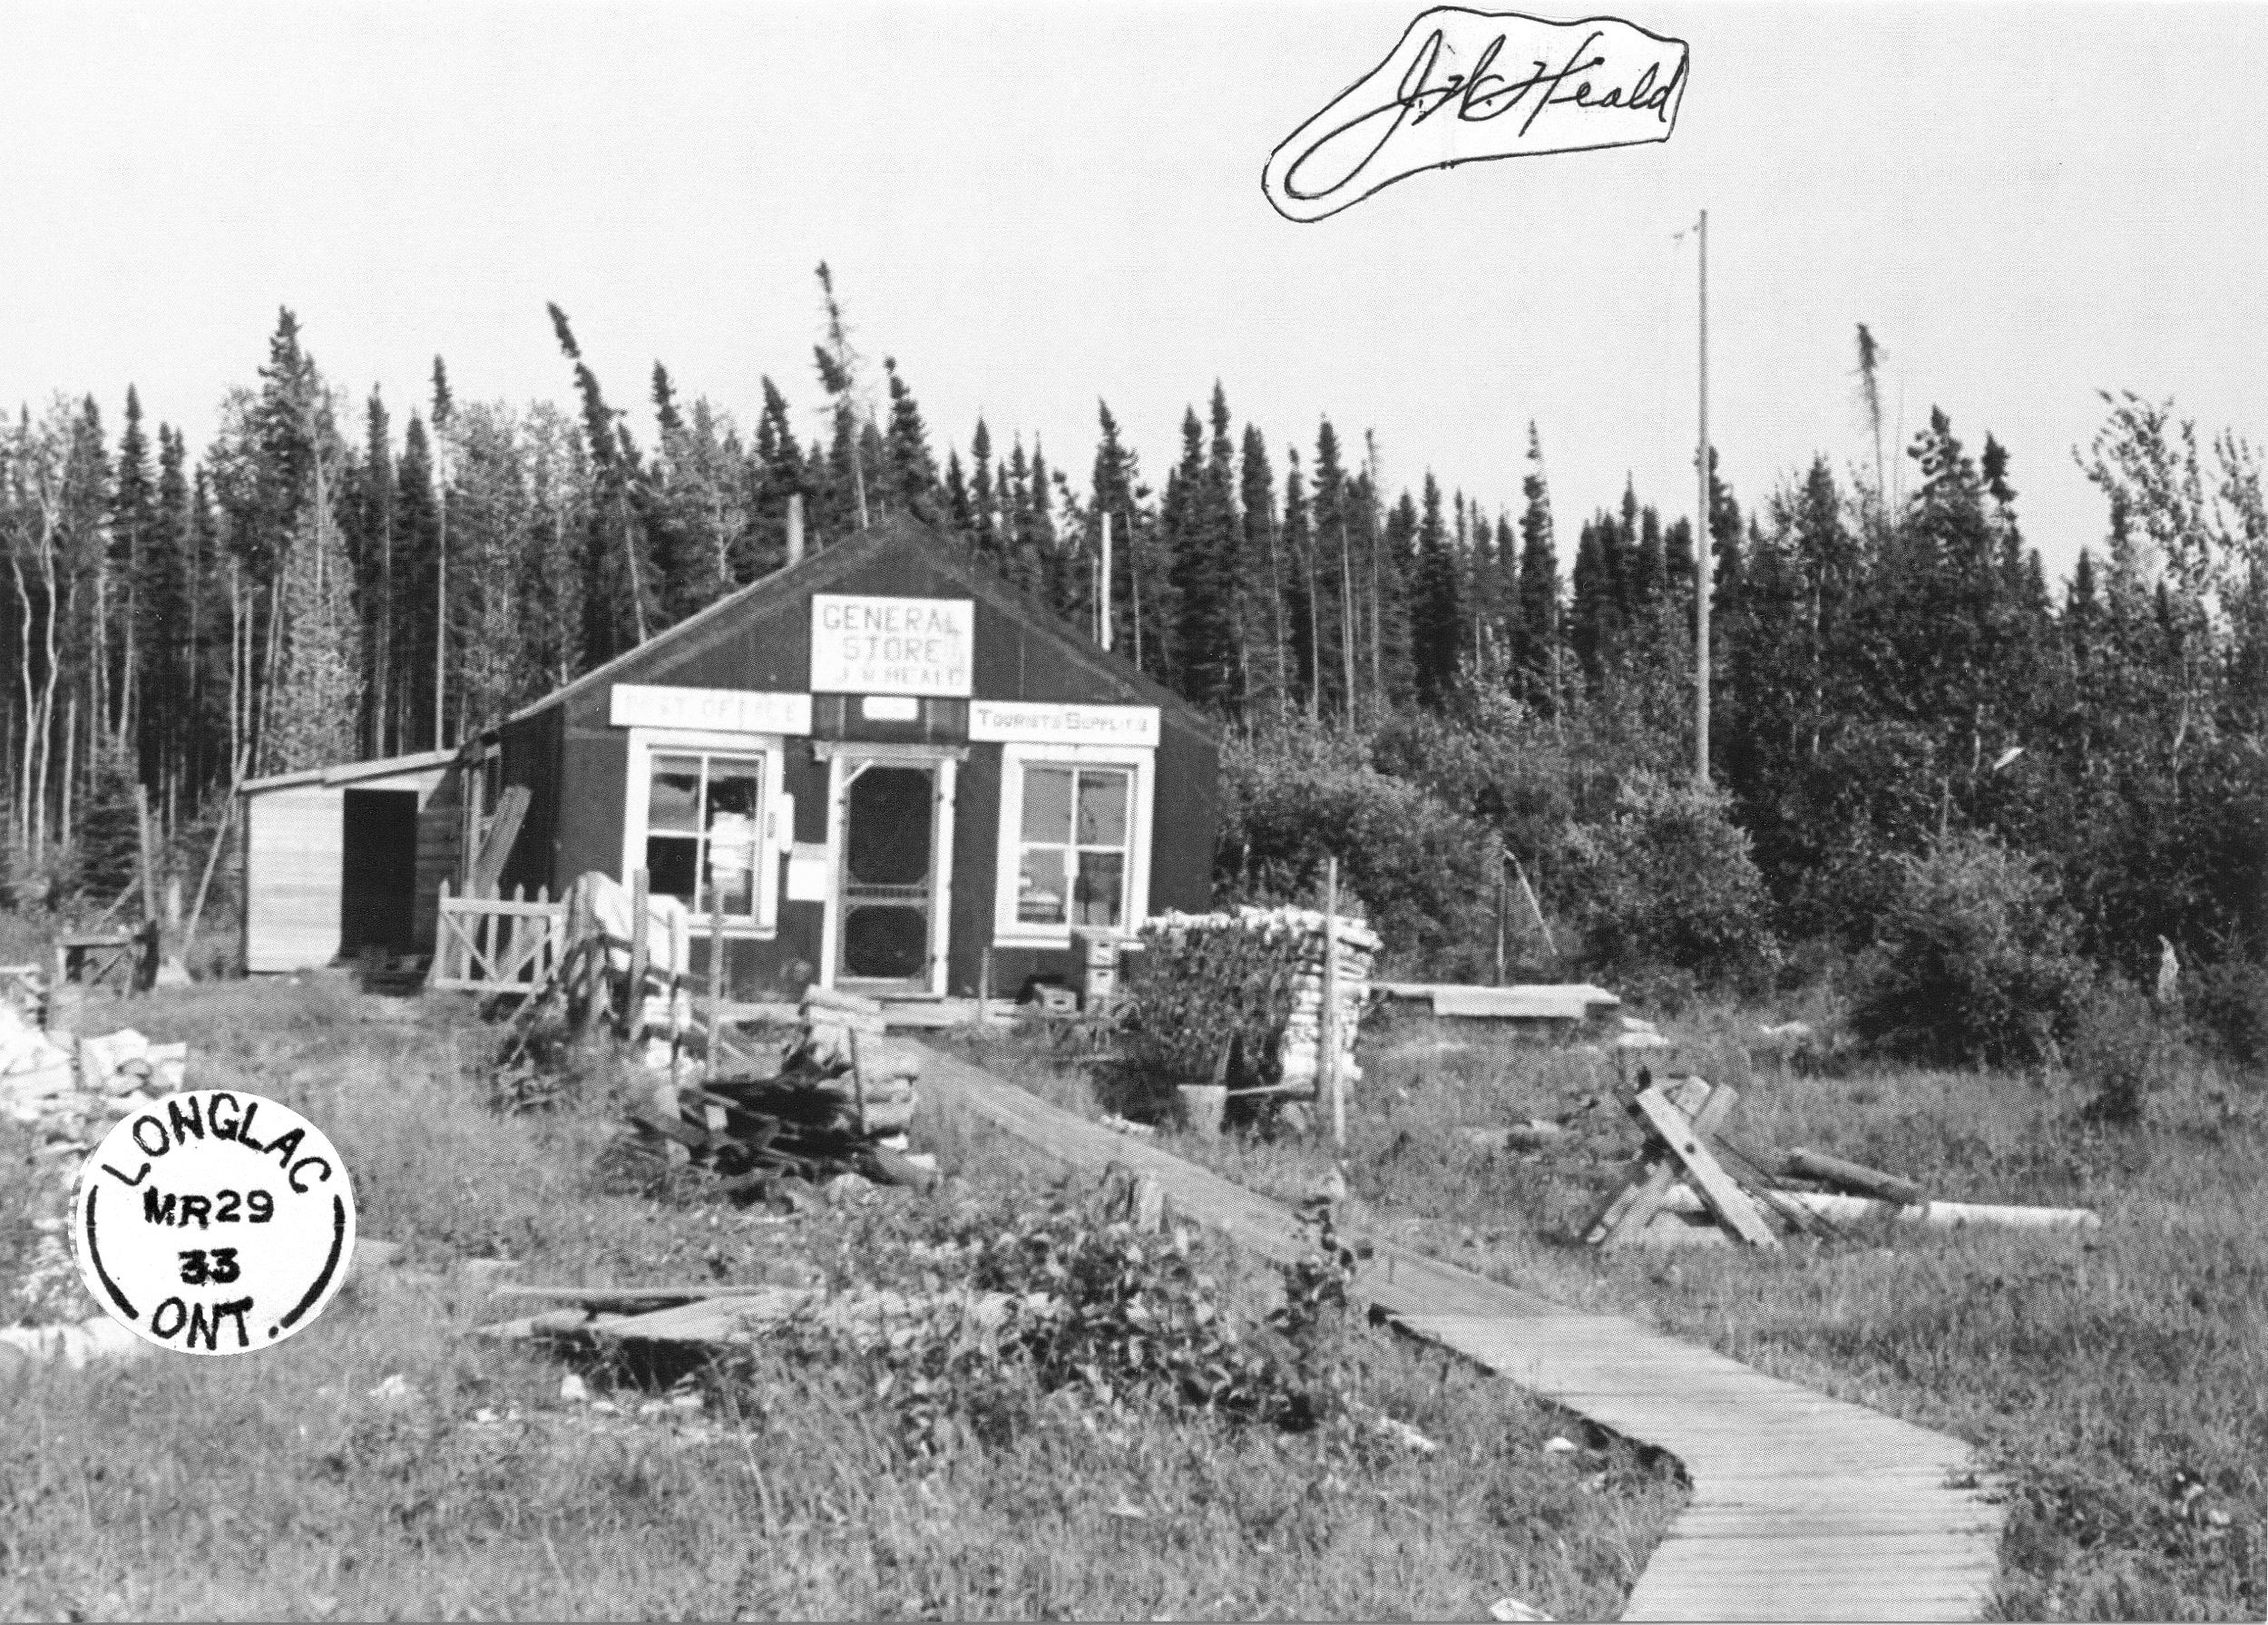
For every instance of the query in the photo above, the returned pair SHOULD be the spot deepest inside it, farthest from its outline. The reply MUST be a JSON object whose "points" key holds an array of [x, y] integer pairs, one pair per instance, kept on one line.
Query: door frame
{"points": [[945, 759]]}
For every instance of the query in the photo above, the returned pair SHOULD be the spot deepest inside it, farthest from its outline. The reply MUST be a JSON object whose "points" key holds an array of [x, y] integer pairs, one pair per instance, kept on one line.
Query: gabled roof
{"points": [[385, 767], [815, 573]]}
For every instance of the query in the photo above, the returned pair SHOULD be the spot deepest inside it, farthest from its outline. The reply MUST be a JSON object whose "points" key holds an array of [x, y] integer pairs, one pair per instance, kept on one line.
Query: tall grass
{"points": [[284, 1484], [2100, 1373]]}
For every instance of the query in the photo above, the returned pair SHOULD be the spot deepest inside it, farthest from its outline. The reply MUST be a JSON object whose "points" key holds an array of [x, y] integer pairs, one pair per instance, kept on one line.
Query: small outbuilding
{"points": [[341, 859], [871, 767]]}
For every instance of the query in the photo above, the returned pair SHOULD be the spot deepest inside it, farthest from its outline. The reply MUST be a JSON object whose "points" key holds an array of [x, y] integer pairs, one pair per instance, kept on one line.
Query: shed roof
{"points": [[385, 767], [818, 571]]}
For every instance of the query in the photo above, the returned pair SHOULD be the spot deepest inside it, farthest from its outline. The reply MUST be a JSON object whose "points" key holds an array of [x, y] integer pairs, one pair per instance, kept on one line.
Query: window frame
{"points": [[775, 812], [1008, 930]]}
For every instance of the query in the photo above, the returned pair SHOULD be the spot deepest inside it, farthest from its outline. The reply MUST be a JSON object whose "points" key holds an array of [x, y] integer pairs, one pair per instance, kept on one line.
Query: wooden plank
{"points": [[488, 866], [1625, 1221], [1683, 1138]]}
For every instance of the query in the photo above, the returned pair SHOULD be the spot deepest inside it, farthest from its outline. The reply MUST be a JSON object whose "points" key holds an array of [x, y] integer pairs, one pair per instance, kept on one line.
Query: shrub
{"points": [[1975, 960], [1666, 885], [2230, 1009], [2123, 1052], [1420, 871]]}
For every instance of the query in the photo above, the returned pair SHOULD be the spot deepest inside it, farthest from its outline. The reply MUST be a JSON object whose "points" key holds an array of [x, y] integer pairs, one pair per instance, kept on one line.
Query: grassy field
{"points": [[2101, 1374], [307, 1482]]}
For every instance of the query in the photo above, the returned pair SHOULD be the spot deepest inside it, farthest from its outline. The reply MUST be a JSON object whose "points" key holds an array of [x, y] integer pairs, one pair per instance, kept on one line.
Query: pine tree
{"points": [[912, 472], [1269, 679]]}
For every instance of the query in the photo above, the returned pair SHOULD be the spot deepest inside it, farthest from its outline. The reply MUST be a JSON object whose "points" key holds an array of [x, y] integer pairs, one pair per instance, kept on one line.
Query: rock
{"points": [[573, 1389], [1559, 1446], [1513, 1612], [1641, 1041], [1401, 1432], [393, 1390]]}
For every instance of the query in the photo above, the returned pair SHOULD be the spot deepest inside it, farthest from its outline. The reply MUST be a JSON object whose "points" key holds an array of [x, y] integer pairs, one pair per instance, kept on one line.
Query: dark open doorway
{"points": [[378, 883]]}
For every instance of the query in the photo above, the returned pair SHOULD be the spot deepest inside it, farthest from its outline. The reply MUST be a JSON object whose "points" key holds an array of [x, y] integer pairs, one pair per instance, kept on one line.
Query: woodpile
{"points": [[1300, 936], [835, 1098]]}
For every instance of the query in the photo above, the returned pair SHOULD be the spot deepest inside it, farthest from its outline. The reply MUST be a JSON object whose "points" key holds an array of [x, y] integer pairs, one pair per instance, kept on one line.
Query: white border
{"points": [[777, 835], [1007, 931]]}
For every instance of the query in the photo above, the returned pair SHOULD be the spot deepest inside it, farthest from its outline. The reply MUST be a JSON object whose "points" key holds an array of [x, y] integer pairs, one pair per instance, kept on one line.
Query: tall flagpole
{"points": [[1701, 543]]}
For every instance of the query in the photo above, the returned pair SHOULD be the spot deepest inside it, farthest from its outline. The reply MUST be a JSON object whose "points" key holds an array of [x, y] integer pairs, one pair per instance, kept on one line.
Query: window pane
{"points": [[1101, 808], [735, 886], [1047, 804], [1039, 886], [673, 796], [1101, 888], [669, 870], [732, 788], [729, 854]]}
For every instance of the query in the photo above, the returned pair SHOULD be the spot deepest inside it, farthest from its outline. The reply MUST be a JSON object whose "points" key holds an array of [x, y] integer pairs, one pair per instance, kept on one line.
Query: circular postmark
{"points": [[213, 1222]]}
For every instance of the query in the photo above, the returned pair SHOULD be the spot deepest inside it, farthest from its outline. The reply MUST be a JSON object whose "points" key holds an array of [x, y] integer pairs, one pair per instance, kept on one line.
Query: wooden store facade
{"points": [[876, 763]]}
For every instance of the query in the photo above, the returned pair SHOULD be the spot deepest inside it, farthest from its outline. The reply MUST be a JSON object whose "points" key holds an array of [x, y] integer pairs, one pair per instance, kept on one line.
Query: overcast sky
{"points": [[1033, 206]]}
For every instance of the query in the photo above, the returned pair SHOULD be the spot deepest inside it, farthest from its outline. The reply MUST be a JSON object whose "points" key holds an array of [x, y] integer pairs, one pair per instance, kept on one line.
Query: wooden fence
{"points": [[493, 944]]}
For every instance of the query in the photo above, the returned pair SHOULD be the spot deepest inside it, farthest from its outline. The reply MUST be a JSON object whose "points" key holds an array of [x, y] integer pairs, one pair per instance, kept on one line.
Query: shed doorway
{"points": [[378, 872]]}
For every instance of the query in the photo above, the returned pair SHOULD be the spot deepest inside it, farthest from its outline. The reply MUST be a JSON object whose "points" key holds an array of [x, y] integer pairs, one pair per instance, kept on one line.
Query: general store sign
{"points": [[1022, 723], [862, 645], [719, 710]]}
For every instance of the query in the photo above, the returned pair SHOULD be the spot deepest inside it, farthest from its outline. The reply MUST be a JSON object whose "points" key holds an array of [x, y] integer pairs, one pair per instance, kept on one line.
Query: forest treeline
{"points": [[331, 579]]}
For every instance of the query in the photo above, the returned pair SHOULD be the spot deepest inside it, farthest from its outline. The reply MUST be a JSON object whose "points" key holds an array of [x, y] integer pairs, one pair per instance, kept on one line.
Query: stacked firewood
{"points": [[1300, 1054], [834, 1099]]}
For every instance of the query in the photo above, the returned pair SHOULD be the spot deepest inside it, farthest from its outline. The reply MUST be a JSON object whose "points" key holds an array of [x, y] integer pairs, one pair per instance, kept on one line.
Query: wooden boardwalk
{"points": [[1803, 1507]]}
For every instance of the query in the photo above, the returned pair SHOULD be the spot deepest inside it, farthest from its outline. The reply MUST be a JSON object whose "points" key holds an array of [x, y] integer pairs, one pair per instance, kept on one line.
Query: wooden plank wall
{"points": [[440, 842], [295, 840]]}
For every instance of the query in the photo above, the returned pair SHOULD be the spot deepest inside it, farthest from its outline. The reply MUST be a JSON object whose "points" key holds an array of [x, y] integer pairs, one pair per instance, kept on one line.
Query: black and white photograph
{"points": [[1133, 809]]}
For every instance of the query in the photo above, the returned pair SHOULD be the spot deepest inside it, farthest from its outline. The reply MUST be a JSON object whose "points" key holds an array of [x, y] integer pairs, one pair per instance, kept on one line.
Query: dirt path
{"points": [[1804, 1507]]}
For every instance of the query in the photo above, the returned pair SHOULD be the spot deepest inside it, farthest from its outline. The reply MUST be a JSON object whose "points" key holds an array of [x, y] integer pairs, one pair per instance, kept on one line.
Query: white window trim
{"points": [[775, 836], [1007, 931]]}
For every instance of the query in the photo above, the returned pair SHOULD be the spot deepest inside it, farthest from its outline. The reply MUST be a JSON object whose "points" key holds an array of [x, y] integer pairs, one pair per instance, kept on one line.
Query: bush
{"points": [[1975, 960], [2230, 1009], [2123, 1052], [1420, 871], [1666, 889]]}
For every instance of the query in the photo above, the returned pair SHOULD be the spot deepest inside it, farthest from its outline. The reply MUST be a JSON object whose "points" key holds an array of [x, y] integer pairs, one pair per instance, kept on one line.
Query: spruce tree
{"points": [[1437, 620], [1539, 587]]}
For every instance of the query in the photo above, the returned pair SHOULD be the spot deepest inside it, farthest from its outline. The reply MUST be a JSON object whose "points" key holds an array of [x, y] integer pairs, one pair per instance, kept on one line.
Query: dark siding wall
{"points": [[1186, 820], [975, 860], [530, 758], [440, 833]]}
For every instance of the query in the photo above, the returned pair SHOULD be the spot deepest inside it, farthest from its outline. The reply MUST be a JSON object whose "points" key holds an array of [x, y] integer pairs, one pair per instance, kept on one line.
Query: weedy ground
{"points": [[2103, 1374], [306, 1481]]}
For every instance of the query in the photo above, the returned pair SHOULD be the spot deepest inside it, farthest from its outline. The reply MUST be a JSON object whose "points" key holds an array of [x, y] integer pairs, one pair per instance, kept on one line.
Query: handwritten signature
{"points": [[1452, 92]]}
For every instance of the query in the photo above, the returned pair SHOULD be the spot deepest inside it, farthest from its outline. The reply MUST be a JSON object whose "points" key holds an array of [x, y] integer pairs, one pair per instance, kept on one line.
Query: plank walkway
{"points": [[1803, 1507]]}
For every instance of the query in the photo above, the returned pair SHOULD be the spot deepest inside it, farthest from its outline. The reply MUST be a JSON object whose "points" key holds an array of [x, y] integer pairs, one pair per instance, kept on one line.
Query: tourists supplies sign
{"points": [[862, 645], [1031, 723], [214, 1222]]}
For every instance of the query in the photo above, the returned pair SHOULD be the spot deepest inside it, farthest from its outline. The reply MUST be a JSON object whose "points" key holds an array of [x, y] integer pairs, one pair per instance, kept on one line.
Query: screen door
{"points": [[888, 891]]}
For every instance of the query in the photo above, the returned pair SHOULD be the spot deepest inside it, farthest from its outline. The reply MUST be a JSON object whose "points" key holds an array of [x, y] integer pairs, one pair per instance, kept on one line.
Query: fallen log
{"points": [[1855, 1177], [1943, 1215]]}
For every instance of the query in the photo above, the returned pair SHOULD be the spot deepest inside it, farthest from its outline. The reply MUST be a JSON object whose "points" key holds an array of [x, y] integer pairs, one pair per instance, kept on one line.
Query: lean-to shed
{"points": [[339, 858]]}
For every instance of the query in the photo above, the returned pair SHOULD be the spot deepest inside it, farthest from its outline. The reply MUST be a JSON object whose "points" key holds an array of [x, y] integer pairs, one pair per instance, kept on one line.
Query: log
{"points": [[1943, 1215], [1855, 1177]]}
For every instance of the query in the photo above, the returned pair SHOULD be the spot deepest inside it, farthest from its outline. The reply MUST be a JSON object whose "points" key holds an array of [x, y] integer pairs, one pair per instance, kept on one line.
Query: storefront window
{"points": [[701, 831], [1073, 851]]}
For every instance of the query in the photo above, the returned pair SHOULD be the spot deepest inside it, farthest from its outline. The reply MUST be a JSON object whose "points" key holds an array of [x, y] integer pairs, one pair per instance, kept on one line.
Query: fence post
{"points": [[639, 948]]}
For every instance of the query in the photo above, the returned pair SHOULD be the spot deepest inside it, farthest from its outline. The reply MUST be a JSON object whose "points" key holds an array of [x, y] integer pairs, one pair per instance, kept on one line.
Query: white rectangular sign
{"points": [[1025, 722], [718, 710], [862, 645]]}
